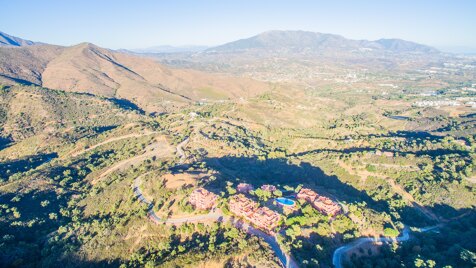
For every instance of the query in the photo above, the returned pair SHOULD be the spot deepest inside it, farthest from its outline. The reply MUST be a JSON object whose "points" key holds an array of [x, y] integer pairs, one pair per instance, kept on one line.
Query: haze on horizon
{"points": [[446, 25]]}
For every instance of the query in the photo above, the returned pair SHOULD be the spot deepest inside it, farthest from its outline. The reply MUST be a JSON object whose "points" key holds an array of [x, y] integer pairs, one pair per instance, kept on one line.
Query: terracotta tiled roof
{"points": [[262, 217], [202, 199], [319, 202]]}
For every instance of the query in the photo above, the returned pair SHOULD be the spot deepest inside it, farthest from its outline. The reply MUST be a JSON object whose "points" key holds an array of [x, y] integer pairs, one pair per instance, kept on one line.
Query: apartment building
{"points": [[202, 199]]}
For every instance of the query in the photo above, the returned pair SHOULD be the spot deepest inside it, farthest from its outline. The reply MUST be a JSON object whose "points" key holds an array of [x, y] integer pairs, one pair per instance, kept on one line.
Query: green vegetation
{"points": [[69, 168], [450, 246]]}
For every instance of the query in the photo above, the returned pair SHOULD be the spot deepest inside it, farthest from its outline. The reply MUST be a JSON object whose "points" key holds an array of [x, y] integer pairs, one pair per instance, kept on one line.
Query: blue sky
{"points": [[449, 25]]}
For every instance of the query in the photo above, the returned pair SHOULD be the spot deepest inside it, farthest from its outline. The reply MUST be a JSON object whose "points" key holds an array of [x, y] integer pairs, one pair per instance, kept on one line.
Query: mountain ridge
{"points": [[303, 56], [10, 40], [88, 68], [305, 40]]}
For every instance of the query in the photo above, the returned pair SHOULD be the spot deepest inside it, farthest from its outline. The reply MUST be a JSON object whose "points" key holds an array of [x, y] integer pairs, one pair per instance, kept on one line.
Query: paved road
{"points": [[137, 190], [215, 215], [339, 253], [212, 216], [285, 259]]}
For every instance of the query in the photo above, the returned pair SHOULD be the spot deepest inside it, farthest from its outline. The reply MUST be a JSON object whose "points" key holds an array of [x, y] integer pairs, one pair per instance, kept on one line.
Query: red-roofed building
{"points": [[265, 218], [307, 194], [242, 206], [326, 206], [202, 199], [322, 203], [268, 187], [261, 217]]}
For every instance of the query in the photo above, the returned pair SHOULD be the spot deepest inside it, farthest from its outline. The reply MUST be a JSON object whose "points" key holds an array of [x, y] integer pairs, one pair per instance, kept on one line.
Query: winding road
{"points": [[75, 151], [157, 149], [215, 215], [339, 253]]}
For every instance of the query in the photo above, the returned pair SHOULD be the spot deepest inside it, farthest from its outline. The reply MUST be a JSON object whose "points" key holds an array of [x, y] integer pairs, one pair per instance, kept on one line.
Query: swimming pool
{"points": [[285, 201]]}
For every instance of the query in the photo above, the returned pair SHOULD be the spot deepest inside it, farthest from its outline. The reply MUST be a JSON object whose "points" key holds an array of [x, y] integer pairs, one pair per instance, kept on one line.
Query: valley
{"points": [[112, 158]]}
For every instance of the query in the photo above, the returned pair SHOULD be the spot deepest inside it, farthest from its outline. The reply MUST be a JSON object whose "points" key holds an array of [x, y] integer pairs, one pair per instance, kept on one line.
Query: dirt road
{"points": [[160, 149], [128, 136]]}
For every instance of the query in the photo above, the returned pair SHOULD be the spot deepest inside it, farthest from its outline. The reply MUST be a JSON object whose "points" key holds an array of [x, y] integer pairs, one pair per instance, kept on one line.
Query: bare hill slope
{"points": [[90, 69], [26, 64], [29, 110]]}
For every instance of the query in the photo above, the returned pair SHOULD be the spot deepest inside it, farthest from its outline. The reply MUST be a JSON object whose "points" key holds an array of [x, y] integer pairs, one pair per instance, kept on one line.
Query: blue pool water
{"points": [[285, 201]]}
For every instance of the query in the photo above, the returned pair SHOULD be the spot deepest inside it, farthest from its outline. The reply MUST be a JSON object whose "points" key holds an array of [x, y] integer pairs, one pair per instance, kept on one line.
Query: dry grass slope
{"points": [[90, 69]]}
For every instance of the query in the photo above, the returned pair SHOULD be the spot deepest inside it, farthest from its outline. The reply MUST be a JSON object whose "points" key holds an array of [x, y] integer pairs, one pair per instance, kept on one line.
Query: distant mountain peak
{"points": [[10, 40], [298, 41], [88, 46], [403, 45]]}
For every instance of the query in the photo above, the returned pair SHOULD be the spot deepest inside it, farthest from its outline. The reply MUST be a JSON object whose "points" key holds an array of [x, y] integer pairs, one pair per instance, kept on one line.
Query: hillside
{"points": [[26, 64], [358, 158], [306, 57], [77, 171], [399, 45], [90, 69], [29, 110]]}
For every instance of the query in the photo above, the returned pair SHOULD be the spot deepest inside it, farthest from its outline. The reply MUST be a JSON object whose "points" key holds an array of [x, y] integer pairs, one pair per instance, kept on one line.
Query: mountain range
{"points": [[299, 56], [317, 43], [87, 68]]}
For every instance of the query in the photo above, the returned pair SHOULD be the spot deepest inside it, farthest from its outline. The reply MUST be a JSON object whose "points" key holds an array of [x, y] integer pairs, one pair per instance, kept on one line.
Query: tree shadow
{"points": [[343, 151], [19, 80], [5, 142], [430, 153], [447, 213], [280, 171], [24, 164], [318, 247], [468, 115], [71, 261], [126, 105], [409, 135], [452, 244], [102, 129], [38, 213]]}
